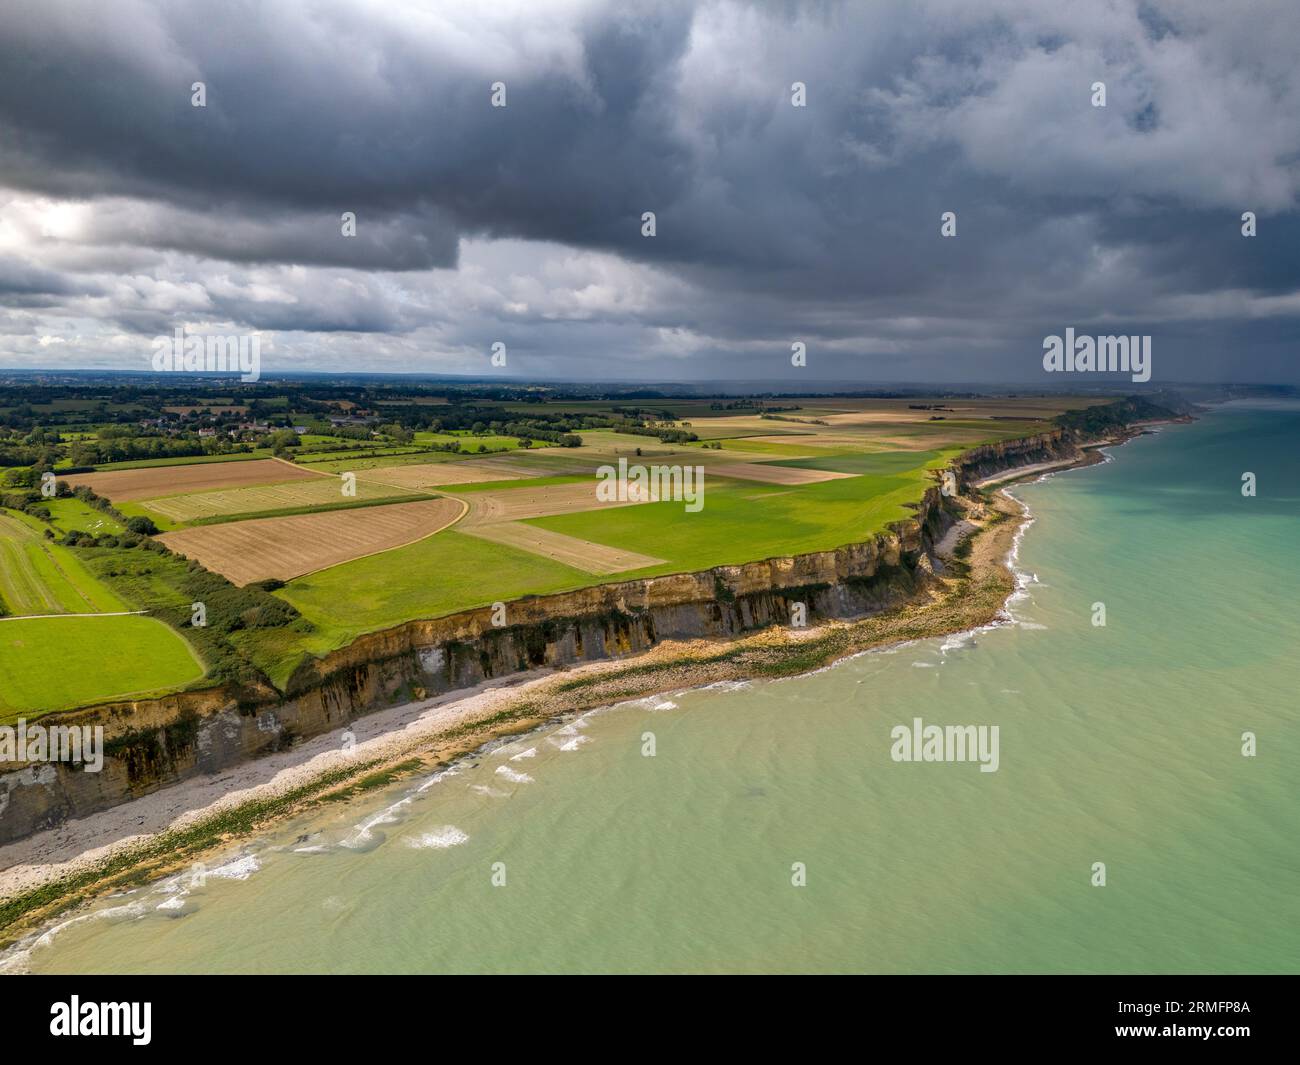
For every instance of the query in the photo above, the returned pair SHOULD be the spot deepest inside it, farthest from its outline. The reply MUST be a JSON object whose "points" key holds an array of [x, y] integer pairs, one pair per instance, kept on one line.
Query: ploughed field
{"points": [[154, 481], [288, 547], [317, 492]]}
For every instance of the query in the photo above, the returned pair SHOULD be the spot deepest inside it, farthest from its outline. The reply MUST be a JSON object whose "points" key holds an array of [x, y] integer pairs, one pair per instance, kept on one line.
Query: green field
{"points": [[438, 575], [38, 576], [743, 521], [793, 449], [468, 441], [357, 462], [189, 460], [52, 663], [72, 515]]}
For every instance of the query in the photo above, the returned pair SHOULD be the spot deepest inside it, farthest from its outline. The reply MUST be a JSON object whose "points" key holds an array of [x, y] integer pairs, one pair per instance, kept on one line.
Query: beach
{"points": [[657, 833], [132, 841], [438, 730]]}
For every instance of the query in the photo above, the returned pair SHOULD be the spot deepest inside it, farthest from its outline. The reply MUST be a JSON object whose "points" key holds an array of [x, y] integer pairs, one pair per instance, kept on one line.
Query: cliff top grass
{"points": [[886, 451]]}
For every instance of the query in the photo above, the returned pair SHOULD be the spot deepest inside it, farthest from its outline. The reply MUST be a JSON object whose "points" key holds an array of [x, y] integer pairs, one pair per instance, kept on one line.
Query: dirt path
{"points": [[569, 550]]}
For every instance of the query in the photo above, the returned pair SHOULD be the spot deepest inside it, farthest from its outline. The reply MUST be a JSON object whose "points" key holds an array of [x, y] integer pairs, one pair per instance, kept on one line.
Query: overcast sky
{"points": [[126, 212]]}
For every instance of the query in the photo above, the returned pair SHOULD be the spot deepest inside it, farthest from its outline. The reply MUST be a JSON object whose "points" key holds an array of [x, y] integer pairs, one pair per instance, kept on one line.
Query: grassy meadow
{"points": [[50, 664]]}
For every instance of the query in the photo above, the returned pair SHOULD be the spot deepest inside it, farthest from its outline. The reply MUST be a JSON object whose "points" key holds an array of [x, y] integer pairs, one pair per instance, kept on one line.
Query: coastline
{"points": [[155, 834]]}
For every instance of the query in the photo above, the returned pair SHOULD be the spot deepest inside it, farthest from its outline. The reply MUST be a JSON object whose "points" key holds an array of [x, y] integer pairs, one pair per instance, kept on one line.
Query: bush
{"points": [[141, 525]]}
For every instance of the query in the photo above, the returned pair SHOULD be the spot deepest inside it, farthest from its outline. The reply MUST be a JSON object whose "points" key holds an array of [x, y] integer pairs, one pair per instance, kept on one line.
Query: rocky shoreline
{"points": [[965, 584]]}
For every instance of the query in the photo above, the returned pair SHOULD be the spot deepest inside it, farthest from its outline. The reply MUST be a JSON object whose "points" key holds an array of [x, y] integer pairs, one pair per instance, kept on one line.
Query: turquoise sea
{"points": [[574, 850]]}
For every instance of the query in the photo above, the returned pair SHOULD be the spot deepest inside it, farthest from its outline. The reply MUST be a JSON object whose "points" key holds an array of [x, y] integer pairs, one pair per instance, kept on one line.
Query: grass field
{"points": [[72, 515], [434, 474], [438, 575], [746, 522], [38, 576], [51, 663], [360, 460], [192, 460]]}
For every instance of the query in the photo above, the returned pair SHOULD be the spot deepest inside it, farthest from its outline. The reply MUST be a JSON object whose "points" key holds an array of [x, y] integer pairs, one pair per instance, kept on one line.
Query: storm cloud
{"points": [[125, 211]]}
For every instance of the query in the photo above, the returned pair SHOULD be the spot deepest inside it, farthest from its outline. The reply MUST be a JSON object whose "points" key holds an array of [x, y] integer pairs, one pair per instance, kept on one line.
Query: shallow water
{"points": [[1118, 744]]}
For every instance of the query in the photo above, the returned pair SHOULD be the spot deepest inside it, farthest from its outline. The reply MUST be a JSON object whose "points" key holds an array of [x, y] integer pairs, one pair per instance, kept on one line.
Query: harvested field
{"points": [[822, 441], [125, 485], [318, 491], [431, 474], [758, 471], [289, 547], [580, 554], [515, 504]]}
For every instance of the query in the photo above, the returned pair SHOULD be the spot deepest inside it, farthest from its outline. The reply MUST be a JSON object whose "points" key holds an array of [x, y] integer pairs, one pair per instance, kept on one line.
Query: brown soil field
{"points": [[757, 471], [122, 486], [245, 551], [514, 504], [319, 491], [877, 441], [571, 551], [430, 474]]}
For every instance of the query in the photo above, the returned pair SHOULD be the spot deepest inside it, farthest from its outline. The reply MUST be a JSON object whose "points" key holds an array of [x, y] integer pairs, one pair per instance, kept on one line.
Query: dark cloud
{"points": [[132, 209]]}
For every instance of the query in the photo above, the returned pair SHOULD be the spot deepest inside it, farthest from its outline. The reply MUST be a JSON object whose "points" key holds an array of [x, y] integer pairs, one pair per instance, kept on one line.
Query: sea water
{"points": [[766, 827]]}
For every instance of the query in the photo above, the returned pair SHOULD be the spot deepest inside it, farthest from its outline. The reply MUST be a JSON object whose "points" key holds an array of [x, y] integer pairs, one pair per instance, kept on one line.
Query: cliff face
{"points": [[980, 462], [150, 744]]}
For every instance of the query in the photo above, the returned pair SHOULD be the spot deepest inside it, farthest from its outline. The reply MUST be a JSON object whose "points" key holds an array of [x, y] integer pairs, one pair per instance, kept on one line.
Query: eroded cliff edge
{"points": [[150, 744]]}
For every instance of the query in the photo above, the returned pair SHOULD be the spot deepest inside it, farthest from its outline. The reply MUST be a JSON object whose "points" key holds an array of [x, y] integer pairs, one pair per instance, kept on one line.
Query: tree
{"points": [[141, 525]]}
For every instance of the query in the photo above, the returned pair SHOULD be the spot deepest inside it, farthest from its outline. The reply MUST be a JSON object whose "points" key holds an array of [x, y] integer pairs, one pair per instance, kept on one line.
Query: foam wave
{"points": [[438, 778], [513, 776], [18, 958], [438, 839], [240, 869]]}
